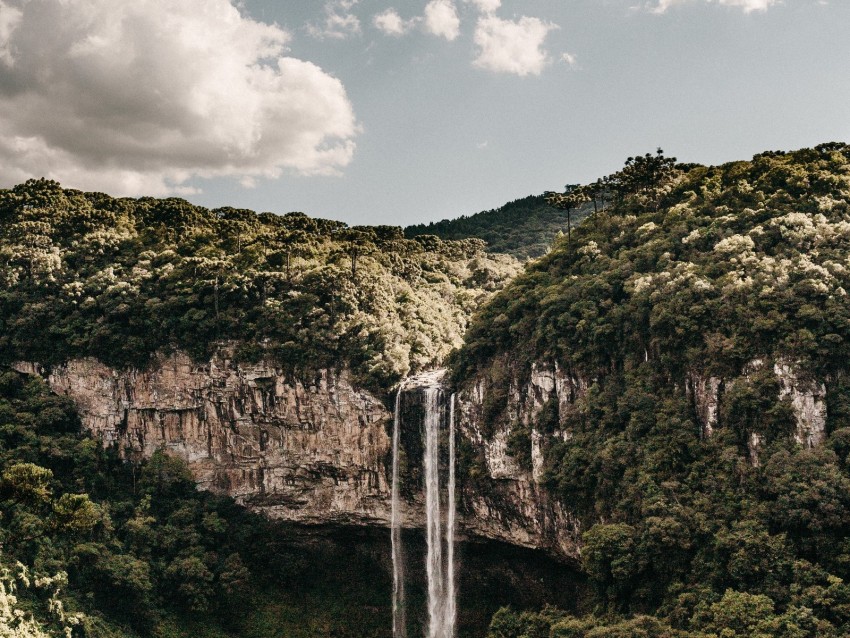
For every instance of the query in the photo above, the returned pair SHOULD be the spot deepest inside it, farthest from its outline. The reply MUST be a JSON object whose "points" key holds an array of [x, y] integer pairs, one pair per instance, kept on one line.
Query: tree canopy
{"points": [[707, 272], [524, 228], [85, 274]]}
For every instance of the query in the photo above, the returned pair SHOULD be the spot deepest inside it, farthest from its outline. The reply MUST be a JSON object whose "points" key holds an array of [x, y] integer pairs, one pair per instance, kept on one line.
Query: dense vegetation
{"points": [[101, 548], [523, 228], [85, 274], [97, 547], [708, 271], [680, 271]]}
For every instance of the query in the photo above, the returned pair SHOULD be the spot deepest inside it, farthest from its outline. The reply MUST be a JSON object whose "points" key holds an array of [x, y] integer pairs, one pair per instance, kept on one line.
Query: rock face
{"points": [[515, 498], [318, 450], [705, 393], [314, 451], [304, 450], [806, 395], [808, 399]]}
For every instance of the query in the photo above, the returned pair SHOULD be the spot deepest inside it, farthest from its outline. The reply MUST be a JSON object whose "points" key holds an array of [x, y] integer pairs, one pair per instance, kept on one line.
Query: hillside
{"points": [[663, 396], [85, 274], [524, 228], [702, 327]]}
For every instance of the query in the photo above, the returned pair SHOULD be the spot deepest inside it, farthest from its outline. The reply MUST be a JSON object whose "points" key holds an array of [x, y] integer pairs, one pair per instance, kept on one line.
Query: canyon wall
{"points": [[310, 450], [317, 450]]}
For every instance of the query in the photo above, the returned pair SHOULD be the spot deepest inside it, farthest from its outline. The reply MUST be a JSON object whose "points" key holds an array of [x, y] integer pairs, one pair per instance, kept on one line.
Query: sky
{"points": [[405, 111]]}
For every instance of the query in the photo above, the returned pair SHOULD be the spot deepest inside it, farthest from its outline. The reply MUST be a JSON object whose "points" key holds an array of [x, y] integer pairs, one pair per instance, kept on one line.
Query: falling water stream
{"points": [[439, 560], [399, 615], [434, 559], [450, 611]]}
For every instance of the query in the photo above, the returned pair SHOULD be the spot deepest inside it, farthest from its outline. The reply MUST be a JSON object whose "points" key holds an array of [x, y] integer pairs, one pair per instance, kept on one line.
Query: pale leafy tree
{"points": [[28, 252], [17, 622]]}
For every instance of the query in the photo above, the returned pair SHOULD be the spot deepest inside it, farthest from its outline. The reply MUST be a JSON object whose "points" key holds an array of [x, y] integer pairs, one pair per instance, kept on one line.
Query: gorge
{"points": [[647, 427]]}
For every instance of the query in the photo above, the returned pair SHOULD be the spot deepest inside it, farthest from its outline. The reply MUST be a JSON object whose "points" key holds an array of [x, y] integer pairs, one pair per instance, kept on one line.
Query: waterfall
{"points": [[441, 575], [399, 615], [440, 567], [434, 559], [450, 611]]}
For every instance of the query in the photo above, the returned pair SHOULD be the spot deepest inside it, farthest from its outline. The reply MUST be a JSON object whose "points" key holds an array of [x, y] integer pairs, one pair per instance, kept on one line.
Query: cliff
{"points": [[317, 450], [314, 451], [805, 395], [515, 495], [306, 450]]}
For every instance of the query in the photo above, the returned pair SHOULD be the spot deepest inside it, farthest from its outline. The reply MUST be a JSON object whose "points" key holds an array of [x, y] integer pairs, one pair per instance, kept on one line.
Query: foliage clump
{"points": [[524, 228], [85, 274], [730, 273]]}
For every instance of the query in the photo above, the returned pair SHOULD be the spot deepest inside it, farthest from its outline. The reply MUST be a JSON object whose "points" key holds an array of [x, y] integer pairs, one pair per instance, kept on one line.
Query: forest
{"points": [[675, 271], [85, 274], [714, 271], [524, 228]]}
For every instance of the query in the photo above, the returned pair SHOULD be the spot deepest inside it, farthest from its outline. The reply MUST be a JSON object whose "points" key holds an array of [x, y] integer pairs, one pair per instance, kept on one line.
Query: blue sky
{"points": [[396, 113]]}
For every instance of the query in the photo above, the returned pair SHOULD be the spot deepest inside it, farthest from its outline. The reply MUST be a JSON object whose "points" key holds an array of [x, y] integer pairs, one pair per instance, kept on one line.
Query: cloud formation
{"points": [[441, 19], [748, 6], [339, 22], [570, 60], [507, 46], [486, 6], [140, 97], [391, 23]]}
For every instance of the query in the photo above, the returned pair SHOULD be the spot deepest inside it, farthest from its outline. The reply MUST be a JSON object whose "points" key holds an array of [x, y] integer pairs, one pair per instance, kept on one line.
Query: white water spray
{"points": [[399, 615], [440, 567], [434, 560]]}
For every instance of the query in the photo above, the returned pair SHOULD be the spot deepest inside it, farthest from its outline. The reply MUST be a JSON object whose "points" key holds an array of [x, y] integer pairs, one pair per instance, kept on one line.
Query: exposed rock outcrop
{"points": [[806, 395], [305, 450], [705, 394], [317, 450], [808, 399], [311, 450], [515, 498]]}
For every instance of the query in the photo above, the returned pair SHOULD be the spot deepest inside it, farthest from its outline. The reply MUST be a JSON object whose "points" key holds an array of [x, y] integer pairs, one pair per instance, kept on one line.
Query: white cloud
{"points": [[441, 19], [570, 59], [339, 22], [140, 97], [506, 46], [486, 6], [748, 6], [9, 19], [391, 23]]}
